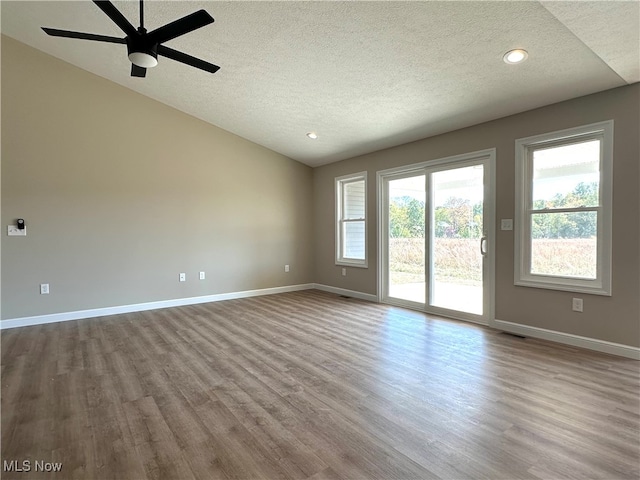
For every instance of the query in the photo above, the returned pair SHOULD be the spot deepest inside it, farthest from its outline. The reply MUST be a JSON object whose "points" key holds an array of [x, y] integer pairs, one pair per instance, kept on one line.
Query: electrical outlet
{"points": [[286, 268], [183, 277], [344, 272], [202, 275], [506, 224], [44, 289], [577, 305]]}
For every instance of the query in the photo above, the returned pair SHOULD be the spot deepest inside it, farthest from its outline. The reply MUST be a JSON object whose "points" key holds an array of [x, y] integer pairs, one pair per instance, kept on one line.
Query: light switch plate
{"points": [[14, 231], [506, 224]]}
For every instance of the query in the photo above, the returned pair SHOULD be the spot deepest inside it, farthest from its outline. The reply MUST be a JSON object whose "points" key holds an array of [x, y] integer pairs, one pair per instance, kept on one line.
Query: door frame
{"points": [[488, 156]]}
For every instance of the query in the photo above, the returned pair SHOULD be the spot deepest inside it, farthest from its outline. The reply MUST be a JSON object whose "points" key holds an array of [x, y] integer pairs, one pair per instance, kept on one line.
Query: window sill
{"points": [[564, 287], [346, 263]]}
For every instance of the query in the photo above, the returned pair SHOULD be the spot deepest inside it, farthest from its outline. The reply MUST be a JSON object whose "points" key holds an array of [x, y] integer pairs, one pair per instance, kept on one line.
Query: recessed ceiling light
{"points": [[312, 135], [515, 56]]}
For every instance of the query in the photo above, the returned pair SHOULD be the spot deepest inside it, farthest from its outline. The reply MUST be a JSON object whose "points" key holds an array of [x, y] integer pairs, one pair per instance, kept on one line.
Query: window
{"points": [[351, 223], [563, 209]]}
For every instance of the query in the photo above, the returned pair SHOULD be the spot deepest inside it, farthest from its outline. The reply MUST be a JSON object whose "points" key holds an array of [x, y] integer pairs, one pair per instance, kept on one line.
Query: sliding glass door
{"points": [[457, 239], [406, 238], [436, 237]]}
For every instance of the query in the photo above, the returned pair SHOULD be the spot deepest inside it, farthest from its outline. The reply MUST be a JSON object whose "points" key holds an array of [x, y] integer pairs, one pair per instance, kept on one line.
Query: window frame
{"points": [[340, 183], [525, 147]]}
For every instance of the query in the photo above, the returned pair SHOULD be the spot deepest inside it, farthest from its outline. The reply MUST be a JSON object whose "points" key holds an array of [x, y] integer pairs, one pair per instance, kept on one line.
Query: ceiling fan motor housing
{"points": [[141, 52]]}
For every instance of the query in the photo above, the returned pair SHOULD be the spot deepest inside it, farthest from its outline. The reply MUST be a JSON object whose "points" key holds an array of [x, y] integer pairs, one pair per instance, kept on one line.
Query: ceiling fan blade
{"points": [[187, 59], [137, 71], [82, 36], [180, 27], [114, 14]]}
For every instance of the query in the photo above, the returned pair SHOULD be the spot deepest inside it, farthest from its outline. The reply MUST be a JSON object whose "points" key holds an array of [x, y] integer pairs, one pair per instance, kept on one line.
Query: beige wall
{"points": [[121, 193], [614, 319]]}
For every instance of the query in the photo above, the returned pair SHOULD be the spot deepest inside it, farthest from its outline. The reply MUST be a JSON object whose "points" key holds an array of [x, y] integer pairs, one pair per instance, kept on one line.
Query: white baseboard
{"points": [[627, 351], [569, 339], [347, 293], [140, 307]]}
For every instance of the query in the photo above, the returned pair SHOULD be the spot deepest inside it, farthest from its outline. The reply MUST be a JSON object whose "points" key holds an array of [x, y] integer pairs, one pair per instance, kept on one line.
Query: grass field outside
{"points": [[458, 259]]}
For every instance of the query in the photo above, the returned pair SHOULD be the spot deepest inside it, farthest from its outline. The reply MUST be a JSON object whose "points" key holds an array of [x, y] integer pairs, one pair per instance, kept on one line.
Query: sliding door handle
{"points": [[483, 245]]}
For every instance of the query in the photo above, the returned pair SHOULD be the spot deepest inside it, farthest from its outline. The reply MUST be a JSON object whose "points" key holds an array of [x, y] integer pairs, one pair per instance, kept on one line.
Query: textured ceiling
{"points": [[363, 75]]}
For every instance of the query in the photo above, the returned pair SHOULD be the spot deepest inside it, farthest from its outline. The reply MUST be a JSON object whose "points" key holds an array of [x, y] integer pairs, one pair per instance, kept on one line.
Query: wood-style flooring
{"points": [[309, 385]]}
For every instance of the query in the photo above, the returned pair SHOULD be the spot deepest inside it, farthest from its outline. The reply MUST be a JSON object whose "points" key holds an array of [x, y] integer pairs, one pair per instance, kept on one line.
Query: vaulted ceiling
{"points": [[363, 75]]}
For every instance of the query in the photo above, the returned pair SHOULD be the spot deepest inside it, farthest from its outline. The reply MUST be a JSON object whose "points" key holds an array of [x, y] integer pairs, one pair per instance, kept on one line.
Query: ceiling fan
{"points": [[143, 48]]}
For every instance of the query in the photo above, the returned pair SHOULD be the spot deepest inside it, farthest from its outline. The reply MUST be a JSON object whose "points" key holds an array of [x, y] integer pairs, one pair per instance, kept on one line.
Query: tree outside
{"points": [[563, 243]]}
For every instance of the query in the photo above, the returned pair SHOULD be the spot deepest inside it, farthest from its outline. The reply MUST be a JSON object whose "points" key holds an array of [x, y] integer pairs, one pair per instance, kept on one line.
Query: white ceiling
{"points": [[363, 75]]}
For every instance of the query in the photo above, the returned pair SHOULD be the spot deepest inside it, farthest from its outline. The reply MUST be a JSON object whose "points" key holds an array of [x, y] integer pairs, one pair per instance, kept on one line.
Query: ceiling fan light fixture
{"points": [[144, 60], [141, 54], [515, 56]]}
